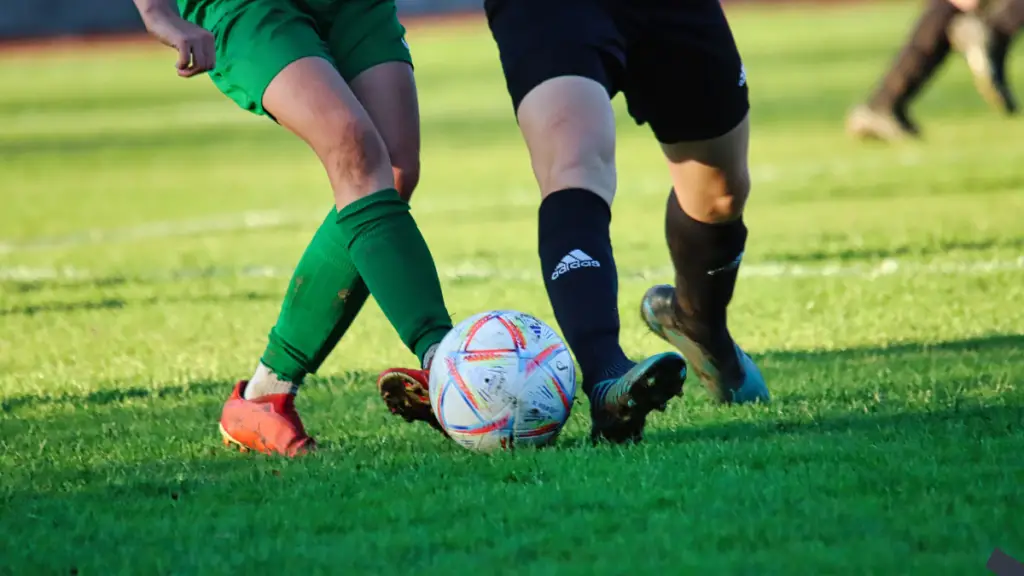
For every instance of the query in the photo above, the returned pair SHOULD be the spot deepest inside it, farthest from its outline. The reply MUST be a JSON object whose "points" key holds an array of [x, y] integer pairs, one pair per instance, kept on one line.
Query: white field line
{"points": [[643, 185], [495, 201], [498, 199], [476, 271], [157, 230], [241, 221]]}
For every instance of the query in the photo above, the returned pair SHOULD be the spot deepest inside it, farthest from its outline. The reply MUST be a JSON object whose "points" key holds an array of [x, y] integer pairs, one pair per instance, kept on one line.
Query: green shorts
{"points": [[257, 39]]}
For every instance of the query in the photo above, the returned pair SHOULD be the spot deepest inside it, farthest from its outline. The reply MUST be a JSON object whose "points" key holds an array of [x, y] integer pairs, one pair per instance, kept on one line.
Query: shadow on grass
{"points": [[66, 442], [150, 444], [1009, 419], [872, 255], [111, 396], [347, 414], [899, 353], [119, 303], [950, 408], [990, 343], [789, 418], [115, 395]]}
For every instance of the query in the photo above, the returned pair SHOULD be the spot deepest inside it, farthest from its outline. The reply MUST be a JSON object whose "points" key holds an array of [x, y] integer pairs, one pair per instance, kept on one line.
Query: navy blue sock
{"points": [[582, 283]]}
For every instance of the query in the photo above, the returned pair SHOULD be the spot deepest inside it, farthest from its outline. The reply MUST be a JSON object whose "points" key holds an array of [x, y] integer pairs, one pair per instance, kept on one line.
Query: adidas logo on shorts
{"points": [[572, 261]]}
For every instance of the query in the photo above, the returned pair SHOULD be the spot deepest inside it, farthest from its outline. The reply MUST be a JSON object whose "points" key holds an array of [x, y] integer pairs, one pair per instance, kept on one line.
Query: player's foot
{"points": [[407, 394], [739, 386], [268, 424], [868, 123], [619, 406], [985, 52]]}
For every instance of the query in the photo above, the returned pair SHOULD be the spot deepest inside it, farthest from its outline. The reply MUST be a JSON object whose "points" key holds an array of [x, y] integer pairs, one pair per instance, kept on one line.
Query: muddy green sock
{"points": [[392, 257], [324, 296]]}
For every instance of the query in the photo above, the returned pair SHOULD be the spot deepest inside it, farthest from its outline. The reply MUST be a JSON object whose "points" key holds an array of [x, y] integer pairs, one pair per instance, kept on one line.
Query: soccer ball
{"points": [[502, 379]]}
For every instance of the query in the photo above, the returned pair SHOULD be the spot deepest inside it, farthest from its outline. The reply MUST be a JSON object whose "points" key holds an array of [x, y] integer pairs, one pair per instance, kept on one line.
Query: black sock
{"points": [[706, 258], [582, 283]]}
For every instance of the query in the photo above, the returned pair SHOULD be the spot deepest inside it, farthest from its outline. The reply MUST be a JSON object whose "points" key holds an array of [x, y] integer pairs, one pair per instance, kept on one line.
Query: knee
{"points": [[406, 171], [569, 128], [355, 159], [714, 195], [729, 197], [712, 177], [589, 166]]}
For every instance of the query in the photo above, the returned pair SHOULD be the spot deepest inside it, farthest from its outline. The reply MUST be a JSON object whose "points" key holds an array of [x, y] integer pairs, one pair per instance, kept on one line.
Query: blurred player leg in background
{"points": [[273, 60], [557, 59], [984, 38], [983, 33], [885, 115], [704, 135]]}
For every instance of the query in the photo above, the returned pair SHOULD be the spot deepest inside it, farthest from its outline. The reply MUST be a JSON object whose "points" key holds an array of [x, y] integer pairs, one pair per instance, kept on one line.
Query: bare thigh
{"points": [[569, 128], [310, 98], [388, 93]]}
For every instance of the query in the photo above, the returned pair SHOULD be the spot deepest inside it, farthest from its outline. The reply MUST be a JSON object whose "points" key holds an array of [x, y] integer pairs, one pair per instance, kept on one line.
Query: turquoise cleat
{"points": [[619, 406], [657, 311]]}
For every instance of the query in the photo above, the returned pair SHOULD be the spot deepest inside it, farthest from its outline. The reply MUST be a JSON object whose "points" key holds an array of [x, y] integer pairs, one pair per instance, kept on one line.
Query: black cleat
{"points": [[743, 386], [619, 406]]}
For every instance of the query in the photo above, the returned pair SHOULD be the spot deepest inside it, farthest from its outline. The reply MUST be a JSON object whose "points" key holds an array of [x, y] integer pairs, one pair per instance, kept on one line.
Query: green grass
{"points": [[147, 229]]}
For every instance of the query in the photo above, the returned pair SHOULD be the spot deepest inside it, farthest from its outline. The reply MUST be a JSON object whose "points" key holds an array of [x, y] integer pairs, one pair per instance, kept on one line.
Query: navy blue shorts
{"points": [[675, 61]]}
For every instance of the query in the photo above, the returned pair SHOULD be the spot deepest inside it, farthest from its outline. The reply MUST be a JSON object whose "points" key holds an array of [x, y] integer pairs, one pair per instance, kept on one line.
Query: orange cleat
{"points": [[407, 394], [268, 424]]}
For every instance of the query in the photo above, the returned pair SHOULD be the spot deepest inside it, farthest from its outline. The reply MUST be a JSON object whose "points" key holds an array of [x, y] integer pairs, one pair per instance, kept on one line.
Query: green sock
{"points": [[392, 257], [324, 296]]}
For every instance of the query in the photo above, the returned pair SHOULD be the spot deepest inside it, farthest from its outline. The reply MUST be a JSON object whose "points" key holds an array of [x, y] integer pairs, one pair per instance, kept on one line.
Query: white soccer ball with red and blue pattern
{"points": [[502, 379]]}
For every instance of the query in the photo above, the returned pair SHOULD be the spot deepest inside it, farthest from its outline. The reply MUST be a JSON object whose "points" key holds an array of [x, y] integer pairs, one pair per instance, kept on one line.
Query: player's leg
{"points": [[704, 135], [560, 62], [388, 95], [368, 43], [255, 41], [984, 38], [885, 115], [371, 222], [286, 72], [1005, 21], [388, 92]]}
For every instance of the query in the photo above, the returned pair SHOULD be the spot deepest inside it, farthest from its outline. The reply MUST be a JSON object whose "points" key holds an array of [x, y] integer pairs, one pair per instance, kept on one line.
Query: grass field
{"points": [[147, 230]]}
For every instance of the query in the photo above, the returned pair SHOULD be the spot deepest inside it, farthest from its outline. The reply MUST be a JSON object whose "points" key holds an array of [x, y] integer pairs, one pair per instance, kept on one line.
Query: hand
{"points": [[195, 45]]}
